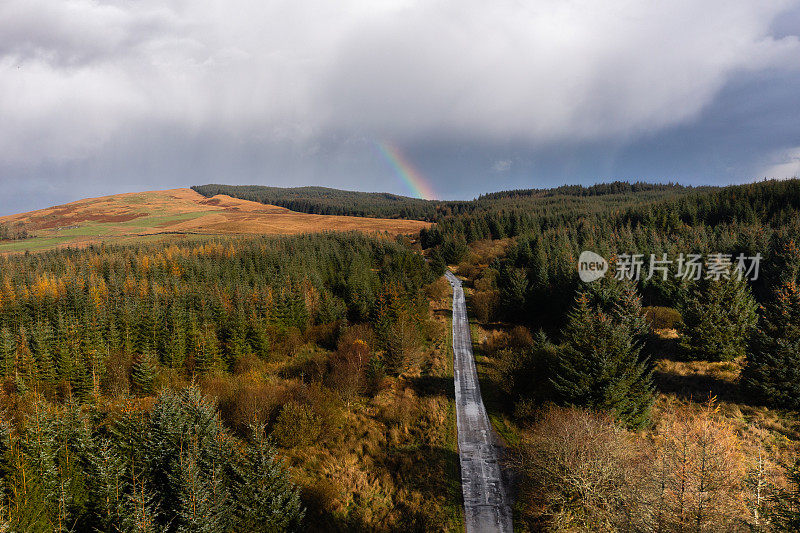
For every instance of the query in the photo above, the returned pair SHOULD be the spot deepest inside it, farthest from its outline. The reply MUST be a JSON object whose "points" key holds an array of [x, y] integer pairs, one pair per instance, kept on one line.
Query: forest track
{"points": [[486, 505]]}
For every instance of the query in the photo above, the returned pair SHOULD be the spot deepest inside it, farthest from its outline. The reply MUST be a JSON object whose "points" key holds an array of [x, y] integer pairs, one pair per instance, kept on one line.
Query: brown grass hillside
{"points": [[175, 212]]}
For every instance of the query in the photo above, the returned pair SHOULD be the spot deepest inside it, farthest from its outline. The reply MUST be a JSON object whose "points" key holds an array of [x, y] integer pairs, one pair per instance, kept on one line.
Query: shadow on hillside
{"points": [[432, 471], [698, 386], [428, 386], [322, 521], [444, 313]]}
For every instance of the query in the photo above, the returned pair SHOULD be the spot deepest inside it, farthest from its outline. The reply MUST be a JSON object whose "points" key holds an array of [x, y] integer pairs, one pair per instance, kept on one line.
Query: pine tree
{"points": [[772, 371], [206, 349], [513, 285], [8, 350], [265, 499], [107, 473], [598, 366], [43, 343], [143, 373], [204, 505], [786, 512], [719, 318]]}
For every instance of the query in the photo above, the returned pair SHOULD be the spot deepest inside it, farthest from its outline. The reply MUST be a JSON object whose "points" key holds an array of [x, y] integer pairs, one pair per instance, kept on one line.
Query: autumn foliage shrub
{"points": [[296, 425], [250, 401], [662, 317], [484, 304], [347, 367], [580, 470]]}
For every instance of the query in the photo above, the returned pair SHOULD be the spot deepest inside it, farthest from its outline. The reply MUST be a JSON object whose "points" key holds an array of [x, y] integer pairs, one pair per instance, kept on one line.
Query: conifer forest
{"points": [[216, 384]]}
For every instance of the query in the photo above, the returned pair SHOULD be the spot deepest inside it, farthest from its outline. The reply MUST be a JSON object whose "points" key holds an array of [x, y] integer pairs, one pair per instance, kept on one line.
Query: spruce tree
{"points": [[43, 347], [513, 283], [598, 365], [265, 499], [143, 373], [203, 500], [719, 318], [206, 349], [27, 371], [175, 353], [8, 350], [181, 423], [140, 514], [772, 371], [35, 486], [107, 470], [785, 514]]}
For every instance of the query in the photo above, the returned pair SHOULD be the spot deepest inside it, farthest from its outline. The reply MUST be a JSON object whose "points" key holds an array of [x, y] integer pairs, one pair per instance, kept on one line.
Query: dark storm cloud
{"points": [[100, 97]]}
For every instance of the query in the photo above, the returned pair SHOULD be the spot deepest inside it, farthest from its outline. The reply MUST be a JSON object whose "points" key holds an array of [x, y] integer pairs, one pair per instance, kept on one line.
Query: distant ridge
{"points": [[599, 189], [328, 201], [176, 212]]}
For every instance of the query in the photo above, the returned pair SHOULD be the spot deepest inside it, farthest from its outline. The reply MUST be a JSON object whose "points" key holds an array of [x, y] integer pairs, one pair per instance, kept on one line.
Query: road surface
{"points": [[486, 505]]}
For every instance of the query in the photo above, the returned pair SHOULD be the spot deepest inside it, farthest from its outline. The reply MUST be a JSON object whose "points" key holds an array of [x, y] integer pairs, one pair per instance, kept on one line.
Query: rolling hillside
{"points": [[327, 201], [181, 212]]}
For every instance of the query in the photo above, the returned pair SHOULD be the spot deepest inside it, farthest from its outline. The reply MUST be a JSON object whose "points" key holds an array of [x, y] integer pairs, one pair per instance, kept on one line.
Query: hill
{"points": [[173, 212], [327, 201]]}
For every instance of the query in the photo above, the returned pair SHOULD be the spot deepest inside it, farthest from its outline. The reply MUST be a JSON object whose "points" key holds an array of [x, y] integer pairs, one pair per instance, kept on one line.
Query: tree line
{"points": [[12, 233], [535, 283], [102, 350], [193, 308], [327, 201], [171, 468], [595, 343]]}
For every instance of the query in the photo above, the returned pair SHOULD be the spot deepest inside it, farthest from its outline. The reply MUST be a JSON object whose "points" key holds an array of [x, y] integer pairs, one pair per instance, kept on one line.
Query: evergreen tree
{"points": [[107, 470], [43, 339], [27, 372], [143, 373], [8, 350], [180, 421], [35, 487], [206, 349], [259, 338], [513, 283], [454, 249], [772, 371], [203, 504], [237, 345], [140, 515], [175, 353], [719, 318], [598, 366], [786, 511]]}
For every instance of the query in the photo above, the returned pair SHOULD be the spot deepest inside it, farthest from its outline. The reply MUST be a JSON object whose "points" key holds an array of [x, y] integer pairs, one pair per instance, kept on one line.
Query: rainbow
{"points": [[420, 187]]}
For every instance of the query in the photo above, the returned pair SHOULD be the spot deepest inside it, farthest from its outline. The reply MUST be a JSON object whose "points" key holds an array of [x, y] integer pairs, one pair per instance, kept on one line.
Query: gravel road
{"points": [[486, 504]]}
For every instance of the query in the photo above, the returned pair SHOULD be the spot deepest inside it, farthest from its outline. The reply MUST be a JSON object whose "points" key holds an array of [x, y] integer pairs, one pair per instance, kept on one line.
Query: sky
{"points": [[107, 96]]}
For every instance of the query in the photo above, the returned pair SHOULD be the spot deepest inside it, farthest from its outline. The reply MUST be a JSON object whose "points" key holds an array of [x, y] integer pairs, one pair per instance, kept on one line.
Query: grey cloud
{"points": [[539, 71], [301, 87], [546, 71]]}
